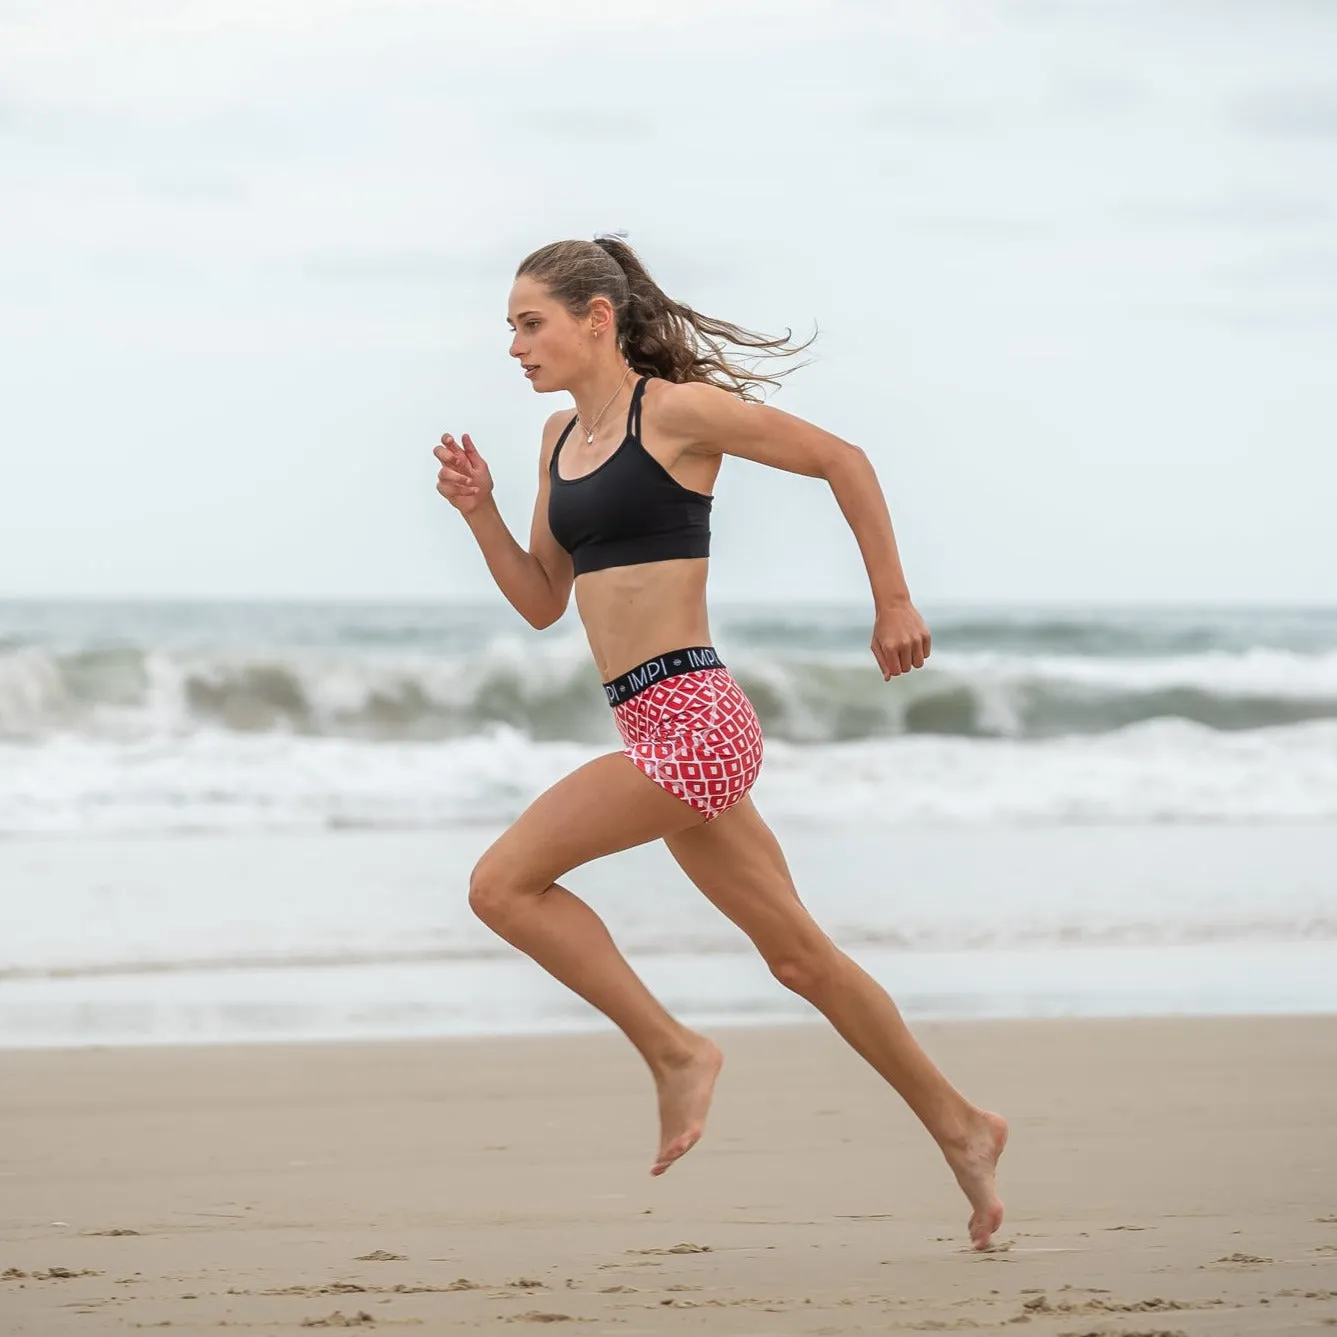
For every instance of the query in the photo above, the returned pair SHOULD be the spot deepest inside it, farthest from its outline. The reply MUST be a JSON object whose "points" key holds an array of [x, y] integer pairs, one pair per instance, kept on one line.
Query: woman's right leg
{"points": [[605, 806], [737, 863]]}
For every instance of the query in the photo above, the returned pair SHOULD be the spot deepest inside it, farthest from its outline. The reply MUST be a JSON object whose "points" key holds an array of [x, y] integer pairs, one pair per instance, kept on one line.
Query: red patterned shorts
{"points": [[688, 726]]}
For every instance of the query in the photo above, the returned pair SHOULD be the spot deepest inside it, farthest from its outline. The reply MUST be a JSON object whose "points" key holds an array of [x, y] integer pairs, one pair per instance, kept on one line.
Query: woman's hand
{"points": [[900, 640], [464, 479]]}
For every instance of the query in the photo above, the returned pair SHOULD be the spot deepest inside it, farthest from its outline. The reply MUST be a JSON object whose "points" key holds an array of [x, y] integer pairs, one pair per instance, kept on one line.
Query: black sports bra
{"points": [[627, 510]]}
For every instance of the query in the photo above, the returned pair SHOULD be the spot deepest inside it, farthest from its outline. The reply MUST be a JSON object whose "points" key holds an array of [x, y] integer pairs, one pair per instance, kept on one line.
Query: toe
{"points": [[984, 1225], [674, 1151]]}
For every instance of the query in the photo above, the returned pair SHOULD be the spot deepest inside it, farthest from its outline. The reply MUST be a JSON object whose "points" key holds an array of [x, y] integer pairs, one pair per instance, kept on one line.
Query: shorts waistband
{"points": [[668, 665]]}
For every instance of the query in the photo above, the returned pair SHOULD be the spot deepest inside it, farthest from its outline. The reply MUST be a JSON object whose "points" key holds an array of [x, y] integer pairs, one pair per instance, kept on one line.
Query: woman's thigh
{"points": [[737, 863], [602, 807]]}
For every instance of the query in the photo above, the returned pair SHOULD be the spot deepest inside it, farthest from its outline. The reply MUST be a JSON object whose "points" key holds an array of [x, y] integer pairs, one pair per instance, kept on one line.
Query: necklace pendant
{"points": [[589, 438]]}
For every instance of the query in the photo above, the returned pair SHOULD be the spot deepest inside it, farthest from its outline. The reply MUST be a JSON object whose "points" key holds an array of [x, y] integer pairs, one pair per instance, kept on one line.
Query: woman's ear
{"points": [[601, 317]]}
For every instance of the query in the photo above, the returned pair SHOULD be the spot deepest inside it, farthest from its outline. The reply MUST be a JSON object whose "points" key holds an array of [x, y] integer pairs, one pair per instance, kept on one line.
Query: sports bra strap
{"points": [[634, 409], [561, 441]]}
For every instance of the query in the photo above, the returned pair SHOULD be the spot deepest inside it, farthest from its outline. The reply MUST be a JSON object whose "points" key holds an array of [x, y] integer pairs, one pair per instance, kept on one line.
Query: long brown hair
{"points": [[658, 336]]}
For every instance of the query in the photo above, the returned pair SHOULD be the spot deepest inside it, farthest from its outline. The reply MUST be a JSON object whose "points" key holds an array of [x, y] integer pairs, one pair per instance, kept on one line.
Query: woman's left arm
{"points": [[709, 420]]}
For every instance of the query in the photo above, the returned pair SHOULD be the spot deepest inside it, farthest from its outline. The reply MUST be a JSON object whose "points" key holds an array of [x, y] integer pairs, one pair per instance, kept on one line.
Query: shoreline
{"points": [[151, 940], [601, 1031], [511, 996]]}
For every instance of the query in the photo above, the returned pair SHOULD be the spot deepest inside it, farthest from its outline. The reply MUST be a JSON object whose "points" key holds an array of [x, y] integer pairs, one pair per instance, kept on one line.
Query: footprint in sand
{"points": [[676, 1248], [1040, 1304], [50, 1274], [1130, 1332]]}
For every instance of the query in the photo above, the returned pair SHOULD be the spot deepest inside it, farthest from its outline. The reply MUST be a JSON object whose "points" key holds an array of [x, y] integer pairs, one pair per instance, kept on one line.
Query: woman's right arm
{"points": [[537, 581]]}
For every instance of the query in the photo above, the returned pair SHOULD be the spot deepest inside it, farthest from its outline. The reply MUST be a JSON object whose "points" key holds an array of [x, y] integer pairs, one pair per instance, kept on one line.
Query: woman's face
{"points": [[552, 346]]}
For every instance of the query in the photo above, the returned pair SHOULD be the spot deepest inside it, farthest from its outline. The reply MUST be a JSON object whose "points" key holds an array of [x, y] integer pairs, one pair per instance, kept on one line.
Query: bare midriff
{"points": [[634, 613]]}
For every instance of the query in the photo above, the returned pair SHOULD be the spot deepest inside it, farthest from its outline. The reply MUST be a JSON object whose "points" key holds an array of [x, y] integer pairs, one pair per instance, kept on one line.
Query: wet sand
{"points": [[1163, 1176]]}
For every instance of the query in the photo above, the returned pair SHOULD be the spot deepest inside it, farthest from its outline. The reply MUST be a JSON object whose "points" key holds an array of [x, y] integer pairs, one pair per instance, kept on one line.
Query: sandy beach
{"points": [[1172, 1176]]}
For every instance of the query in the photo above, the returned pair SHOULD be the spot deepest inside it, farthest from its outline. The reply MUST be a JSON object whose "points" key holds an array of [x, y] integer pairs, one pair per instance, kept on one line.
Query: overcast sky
{"points": [[1075, 268]]}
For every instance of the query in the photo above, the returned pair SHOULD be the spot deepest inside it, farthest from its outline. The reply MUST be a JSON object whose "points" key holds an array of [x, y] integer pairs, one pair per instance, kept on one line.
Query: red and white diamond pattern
{"points": [[695, 735]]}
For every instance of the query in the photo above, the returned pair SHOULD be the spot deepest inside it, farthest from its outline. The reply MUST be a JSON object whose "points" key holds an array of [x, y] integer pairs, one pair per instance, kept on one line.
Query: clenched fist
{"points": [[901, 641], [464, 479]]}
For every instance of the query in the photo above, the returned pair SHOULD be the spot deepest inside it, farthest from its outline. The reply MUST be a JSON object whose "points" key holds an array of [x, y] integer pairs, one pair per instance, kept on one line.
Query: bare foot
{"points": [[685, 1089], [974, 1163]]}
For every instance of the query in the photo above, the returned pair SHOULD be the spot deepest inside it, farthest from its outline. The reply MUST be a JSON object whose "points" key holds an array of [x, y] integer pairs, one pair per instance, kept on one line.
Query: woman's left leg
{"points": [[605, 806], [737, 863]]}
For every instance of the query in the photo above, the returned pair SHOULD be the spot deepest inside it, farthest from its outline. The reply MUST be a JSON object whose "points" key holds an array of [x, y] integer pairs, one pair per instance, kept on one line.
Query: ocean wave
{"points": [[219, 780], [1132, 633], [1121, 633], [551, 693]]}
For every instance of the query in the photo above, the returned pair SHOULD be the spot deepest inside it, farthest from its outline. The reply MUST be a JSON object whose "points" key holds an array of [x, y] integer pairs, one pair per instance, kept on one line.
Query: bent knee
{"points": [[491, 893], [496, 890], [807, 969]]}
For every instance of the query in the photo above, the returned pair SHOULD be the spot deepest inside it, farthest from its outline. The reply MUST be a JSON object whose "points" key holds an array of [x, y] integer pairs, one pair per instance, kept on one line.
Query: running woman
{"points": [[622, 517]]}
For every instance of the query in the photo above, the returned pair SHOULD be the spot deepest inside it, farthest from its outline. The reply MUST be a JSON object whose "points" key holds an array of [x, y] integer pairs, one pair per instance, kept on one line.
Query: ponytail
{"points": [[657, 336]]}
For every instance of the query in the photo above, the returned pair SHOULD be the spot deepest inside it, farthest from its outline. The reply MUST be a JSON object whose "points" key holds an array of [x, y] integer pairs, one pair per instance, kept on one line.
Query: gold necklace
{"points": [[589, 431]]}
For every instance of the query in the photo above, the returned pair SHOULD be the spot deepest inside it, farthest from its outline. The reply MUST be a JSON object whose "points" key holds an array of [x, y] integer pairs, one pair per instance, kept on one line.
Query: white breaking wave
{"points": [[243, 718], [218, 780], [551, 692]]}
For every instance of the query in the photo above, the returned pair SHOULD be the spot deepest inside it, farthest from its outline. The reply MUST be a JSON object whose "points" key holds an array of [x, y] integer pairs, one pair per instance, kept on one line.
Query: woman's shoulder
{"points": [[695, 414], [553, 428], [556, 423], [683, 405]]}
